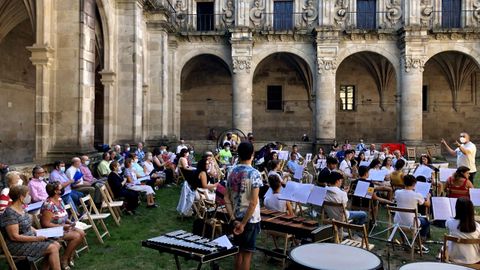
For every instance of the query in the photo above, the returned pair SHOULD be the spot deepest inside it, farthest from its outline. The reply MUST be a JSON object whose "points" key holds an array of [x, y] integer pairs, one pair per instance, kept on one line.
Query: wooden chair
{"points": [[73, 215], [338, 227], [461, 241], [111, 205], [285, 239], [331, 210], [411, 155], [92, 215], [12, 259], [413, 231]]}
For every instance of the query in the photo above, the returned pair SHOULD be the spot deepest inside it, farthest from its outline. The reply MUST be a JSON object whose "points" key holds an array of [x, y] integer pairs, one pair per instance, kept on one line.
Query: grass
{"points": [[123, 249]]}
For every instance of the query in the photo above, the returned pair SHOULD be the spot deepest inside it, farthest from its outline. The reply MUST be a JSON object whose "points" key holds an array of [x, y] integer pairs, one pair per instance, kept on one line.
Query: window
{"points": [[425, 98], [282, 15], [366, 14], [205, 16], [347, 97], [274, 98], [451, 13]]}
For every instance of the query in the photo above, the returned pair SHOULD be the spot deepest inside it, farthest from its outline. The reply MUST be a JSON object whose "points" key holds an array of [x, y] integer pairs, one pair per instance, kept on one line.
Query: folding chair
{"points": [[73, 215], [111, 205], [12, 259], [331, 210], [461, 241], [92, 215], [338, 227], [284, 237], [404, 230]]}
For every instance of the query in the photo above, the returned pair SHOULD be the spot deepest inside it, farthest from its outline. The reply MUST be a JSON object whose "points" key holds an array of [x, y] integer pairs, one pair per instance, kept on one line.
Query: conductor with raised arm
{"points": [[465, 153]]}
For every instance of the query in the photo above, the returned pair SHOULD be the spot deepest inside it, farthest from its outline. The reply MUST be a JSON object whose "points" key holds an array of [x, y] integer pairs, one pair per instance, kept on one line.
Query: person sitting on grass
{"points": [[118, 185], [463, 226], [408, 198], [271, 200], [134, 184], [54, 214]]}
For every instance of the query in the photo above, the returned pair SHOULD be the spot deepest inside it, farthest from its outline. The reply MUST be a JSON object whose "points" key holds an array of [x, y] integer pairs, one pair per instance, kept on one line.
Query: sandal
{"points": [[65, 266]]}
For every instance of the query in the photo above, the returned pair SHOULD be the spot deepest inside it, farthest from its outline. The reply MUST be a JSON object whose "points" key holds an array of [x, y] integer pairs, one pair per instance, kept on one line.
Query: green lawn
{"points": [[124, 251]]}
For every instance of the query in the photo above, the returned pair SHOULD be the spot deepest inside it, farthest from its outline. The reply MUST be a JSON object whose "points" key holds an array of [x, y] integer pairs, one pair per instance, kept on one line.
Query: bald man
{"points": [[465, 153], [74, 173]]}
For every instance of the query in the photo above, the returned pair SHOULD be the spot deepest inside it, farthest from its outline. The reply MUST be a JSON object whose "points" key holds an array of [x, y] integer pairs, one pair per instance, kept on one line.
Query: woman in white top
{"points": [[388, 165], [134, 184], [463, 226], [272, 202], [273, 167], [320, 159]]}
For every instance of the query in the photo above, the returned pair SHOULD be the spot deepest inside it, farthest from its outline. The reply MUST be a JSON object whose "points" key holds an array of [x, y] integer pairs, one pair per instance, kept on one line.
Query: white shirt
{"points": [[336, 195], [71, 172], [371, 155], [394, 160], [272, 202], [346, 167], [462, 253], [467, 160], [180, 147], [389, 170], [149, 167], [407, 199]]}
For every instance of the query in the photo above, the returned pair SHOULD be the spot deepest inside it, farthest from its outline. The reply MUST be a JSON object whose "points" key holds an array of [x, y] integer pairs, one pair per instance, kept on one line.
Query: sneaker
{"points": [[425, 250]]}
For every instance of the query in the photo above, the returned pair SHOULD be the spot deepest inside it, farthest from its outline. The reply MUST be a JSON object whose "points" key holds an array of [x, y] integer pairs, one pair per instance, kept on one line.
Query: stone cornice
{"points": [[41, 54]]}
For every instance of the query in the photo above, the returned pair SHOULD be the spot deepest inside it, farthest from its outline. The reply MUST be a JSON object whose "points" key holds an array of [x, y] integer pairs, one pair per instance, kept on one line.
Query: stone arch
{"points": [[290, 76], [452, 47], [103, 6], [263, 54], [372, 77], [206, 104], [13, 13], [191, 54], [392, 58]]}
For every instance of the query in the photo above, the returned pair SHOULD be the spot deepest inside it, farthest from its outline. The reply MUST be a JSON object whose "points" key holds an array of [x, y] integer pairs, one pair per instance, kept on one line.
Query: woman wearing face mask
{"points": [[37, 185], [53, 214], [13, 179], [16, 226], [134, 184], [149, 169], [118, 185], [58, 175]]}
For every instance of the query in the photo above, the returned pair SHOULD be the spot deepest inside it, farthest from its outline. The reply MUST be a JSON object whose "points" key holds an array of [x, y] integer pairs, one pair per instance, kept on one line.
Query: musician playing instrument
{"points": [[346, 165], [271, 200]]}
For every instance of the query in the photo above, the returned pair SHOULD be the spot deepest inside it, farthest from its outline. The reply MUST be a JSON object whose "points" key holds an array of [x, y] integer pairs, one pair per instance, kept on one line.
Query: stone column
{"points": [[411, 99], [242, 99], [110, 105]]}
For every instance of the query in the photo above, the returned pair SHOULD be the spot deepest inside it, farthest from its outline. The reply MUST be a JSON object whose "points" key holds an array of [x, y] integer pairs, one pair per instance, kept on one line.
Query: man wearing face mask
{"points": [[89, 180], [37, 185], [465, 153], [69, 195], [225, 156], [74, 173], [13, 179]]}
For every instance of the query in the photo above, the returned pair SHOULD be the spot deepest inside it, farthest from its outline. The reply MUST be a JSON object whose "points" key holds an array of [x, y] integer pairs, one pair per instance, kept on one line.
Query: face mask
{"points": [[228, 148], [27, 199], [128, 149], [62, 169], [87, 162], [119, 170], [149, 157], [41, 178], [463, 140], [162, 151], [136, 160], [20, 182]]}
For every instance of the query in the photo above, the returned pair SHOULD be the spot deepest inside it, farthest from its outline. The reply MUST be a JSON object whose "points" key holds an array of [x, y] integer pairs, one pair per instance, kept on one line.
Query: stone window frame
{"points": [[282, 100], [341, 107]]}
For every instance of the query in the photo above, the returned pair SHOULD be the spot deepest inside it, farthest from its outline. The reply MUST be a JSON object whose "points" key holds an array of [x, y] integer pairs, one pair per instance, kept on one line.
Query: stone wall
{"points": [[17, 91]]}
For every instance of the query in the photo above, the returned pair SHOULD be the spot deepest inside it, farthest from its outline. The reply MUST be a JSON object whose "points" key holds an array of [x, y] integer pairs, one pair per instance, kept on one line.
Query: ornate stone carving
{"points": [[309, 13], [414, 63], [341, 8], [394, 12], [326, 64], [242, 64], [426, 12], [256, 13], [181, 11], [228, 13], [476, 11]]}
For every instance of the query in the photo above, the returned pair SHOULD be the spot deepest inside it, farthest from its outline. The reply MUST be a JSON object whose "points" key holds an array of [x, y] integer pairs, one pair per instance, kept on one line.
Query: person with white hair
{"points": [[13, 179], [181, 146], [75, 174], [465, 153]]}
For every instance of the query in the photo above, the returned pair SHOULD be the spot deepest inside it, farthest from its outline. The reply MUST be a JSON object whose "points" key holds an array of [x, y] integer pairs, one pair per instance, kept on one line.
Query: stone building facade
{"points": [[81, 72]]}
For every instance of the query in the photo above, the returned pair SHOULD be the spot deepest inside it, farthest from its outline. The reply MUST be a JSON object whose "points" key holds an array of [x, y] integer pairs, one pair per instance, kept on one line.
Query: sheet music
{"points": [[34, 206], [298, 171], [361, 189], [443, 207], [321, 163], [475, 196], [424, 171], [296, 192], [365, 163], [288, 191], [445, 173], [308, 157], [283, 155], [317, 196], [223, 241], [55, 232], [423, 188], [377, 175]]}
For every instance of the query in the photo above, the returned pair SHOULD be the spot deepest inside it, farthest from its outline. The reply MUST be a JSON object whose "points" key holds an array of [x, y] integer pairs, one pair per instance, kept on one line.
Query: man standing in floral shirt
{"points": [[241, 200]]}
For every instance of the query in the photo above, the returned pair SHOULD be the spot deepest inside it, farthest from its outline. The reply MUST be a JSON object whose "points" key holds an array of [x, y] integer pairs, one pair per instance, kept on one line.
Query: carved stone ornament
{"points": [[228, 13], [341, 8], [414, 63], [394, 12], [309, 13], [326, 64], [256, 13], [476, 11], [181, 10], [426, 8], [242, 64]]}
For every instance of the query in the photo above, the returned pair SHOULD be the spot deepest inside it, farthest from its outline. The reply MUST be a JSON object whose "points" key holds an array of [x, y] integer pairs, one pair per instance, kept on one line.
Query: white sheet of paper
{"points": [[298, 171], [308, 157], [34, 206], [54, 232], [288, 191], [442, 207], [361, 189], [302, 193], [423, 188], [377, 175], [410, 164], [424, 171], [440, 165], [283, 155], [317, 196], [223, 241], [475, 196], [445, 173], [365, 163]]}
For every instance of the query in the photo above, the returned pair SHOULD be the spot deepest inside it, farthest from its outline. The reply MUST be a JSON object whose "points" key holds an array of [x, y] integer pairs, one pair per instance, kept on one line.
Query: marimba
{"points": [[190, 246]]}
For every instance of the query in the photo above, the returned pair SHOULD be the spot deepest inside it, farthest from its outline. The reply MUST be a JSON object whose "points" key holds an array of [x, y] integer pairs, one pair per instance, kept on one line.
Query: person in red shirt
{"points": [[458, 184]]}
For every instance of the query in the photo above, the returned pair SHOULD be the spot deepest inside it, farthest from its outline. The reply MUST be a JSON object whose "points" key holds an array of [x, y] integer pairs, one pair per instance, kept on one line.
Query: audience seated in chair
{"points": [[69, 195], [117, 184], [13, 179], [91, 181], [205, 182], [103, 168], [74, 173], [134, 184], [37, 185]]}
